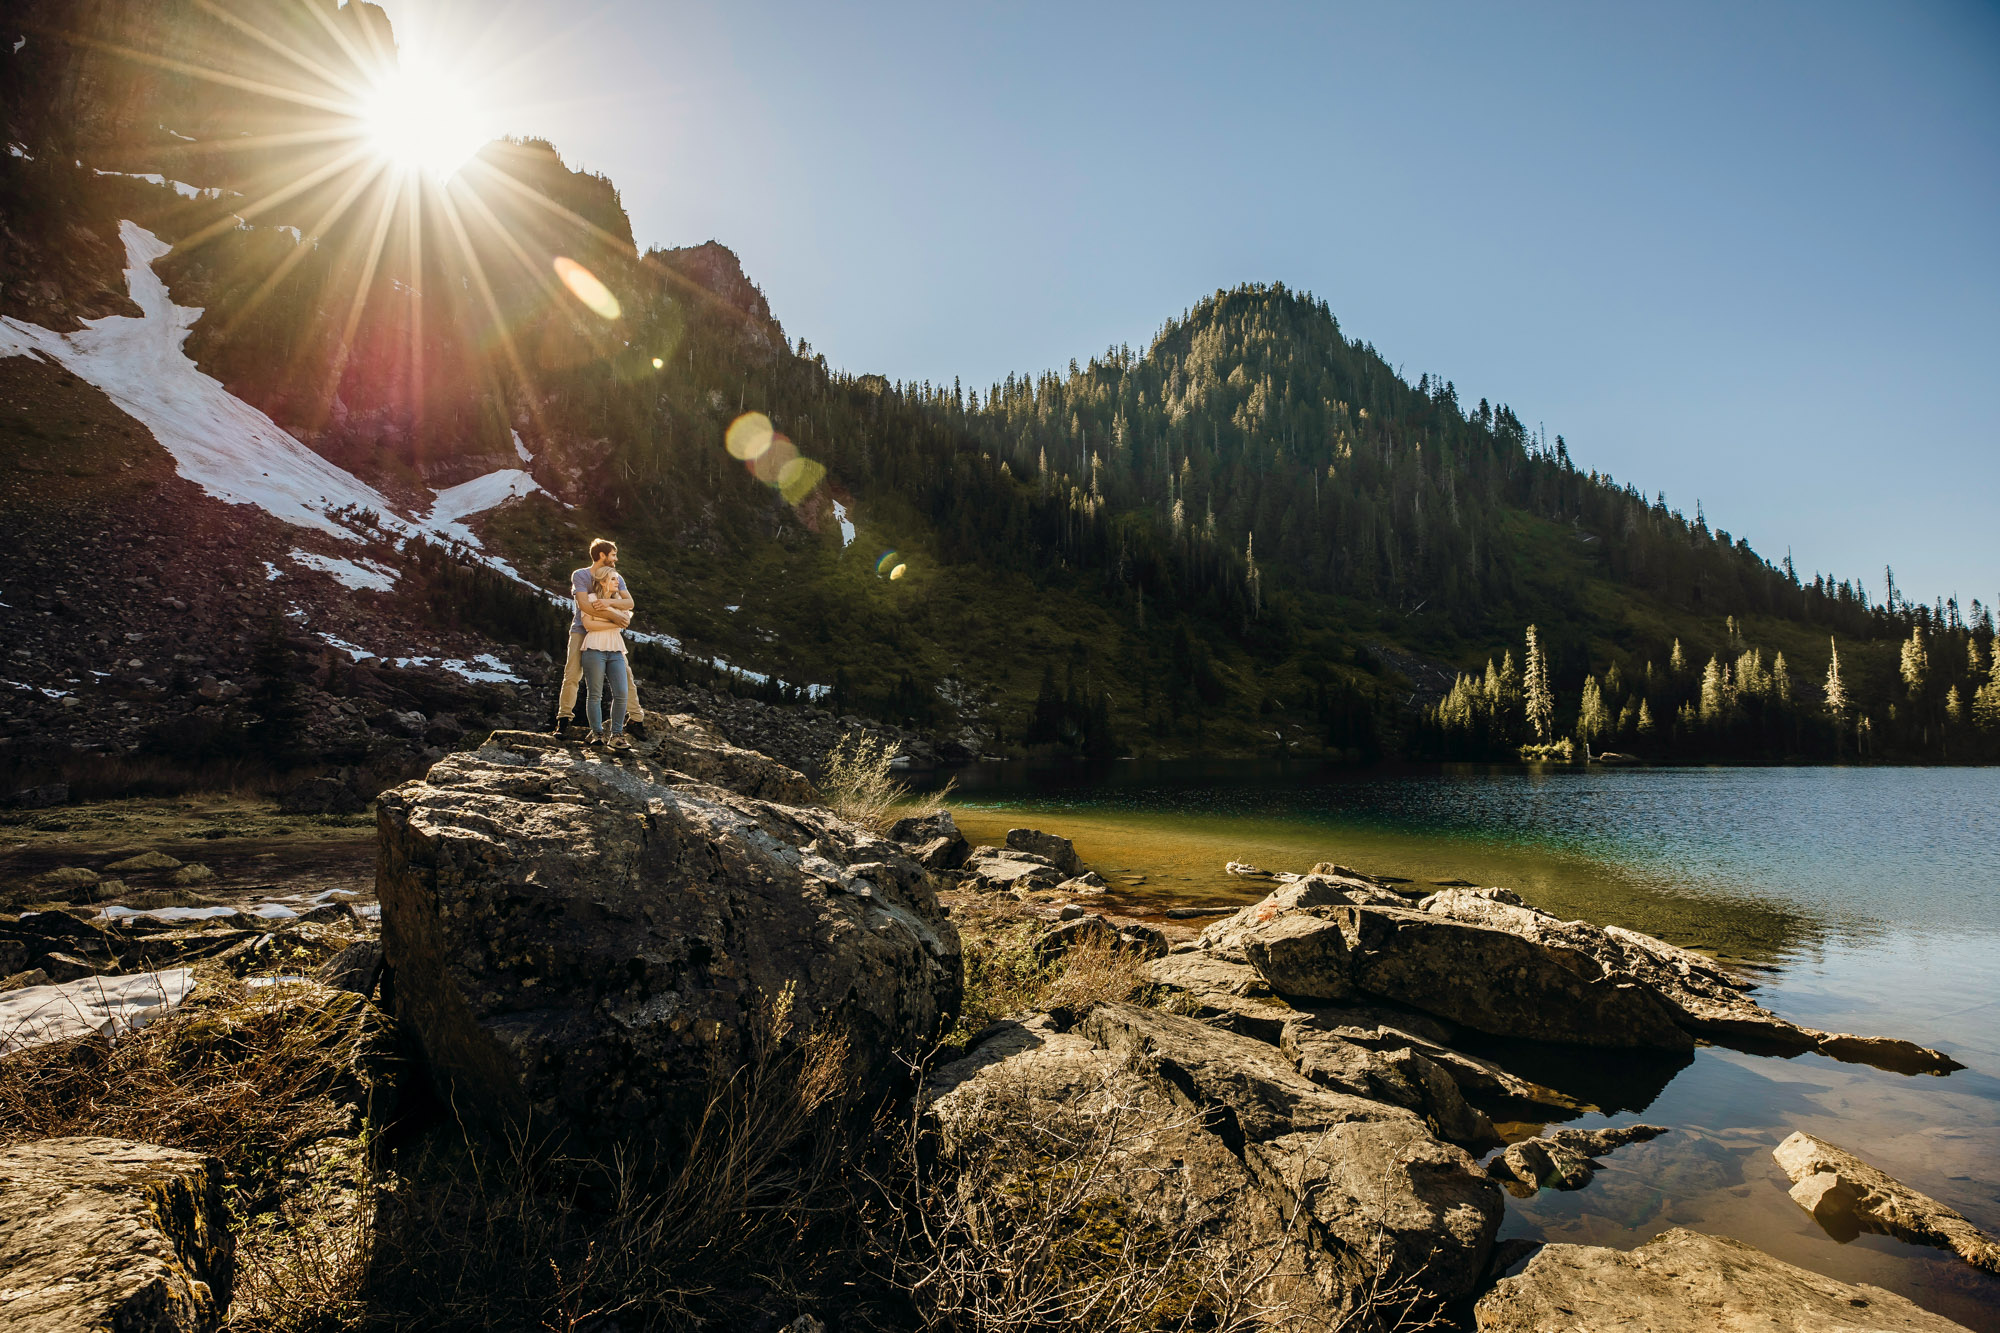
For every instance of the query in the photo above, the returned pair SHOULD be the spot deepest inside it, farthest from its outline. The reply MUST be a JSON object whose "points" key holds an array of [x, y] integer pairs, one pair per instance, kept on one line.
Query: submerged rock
{"points": [[573, 937], [1846, 1196], [1685, 1282], [1563, 1159], [100, 1233]]}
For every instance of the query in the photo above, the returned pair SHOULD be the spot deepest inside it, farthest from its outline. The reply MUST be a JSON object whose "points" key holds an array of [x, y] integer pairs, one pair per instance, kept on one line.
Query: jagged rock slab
{"points": [[1122, 937], [1059, 851], [1686, 1282], [1232, 996], [1847, 1196], [1564, 1159], [1345, 1191], [686, 744], [1302, 954], [1500, 982], [1225, 939], [1479, 1079], [934, 840], [572, 935], [1705, 998], [108, 1234], [997, 870], [1400, 1077]]}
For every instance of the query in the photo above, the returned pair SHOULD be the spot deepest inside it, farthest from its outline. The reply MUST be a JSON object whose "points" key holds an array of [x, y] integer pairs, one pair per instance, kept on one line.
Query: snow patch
{"points": [[521, 449], [108, 1006], [476, 497], [165, 913], [43, 689], [222, 444], [485, 669], [272, 572], [360, 575], [846, 528], [184, 138], [296, 237], [181, 188], [16, 150]]}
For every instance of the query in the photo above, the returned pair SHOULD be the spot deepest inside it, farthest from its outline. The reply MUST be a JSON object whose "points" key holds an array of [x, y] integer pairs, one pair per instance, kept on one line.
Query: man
{"points": [[603, 556]]}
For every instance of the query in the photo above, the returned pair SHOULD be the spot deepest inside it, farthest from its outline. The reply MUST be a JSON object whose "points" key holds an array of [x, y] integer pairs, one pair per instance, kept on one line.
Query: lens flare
{"points": [[659, 364], [748, 437], [883, 561], [769, 466], [585, 287], [797, 479], [898, 572]]}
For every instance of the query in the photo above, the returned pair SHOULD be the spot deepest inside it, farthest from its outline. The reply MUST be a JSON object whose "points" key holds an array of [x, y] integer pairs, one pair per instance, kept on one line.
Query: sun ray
{"points": [[377, 242], [320, 225], [276, 197], [272, 43], [478, 272]]}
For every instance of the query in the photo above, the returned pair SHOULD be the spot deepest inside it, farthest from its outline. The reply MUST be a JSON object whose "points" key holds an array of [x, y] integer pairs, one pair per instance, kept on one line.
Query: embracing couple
{"points": [[597, 653]]}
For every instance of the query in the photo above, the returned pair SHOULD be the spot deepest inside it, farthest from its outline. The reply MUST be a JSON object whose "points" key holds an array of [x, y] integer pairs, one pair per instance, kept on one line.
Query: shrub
{"points": [[858, 783]]}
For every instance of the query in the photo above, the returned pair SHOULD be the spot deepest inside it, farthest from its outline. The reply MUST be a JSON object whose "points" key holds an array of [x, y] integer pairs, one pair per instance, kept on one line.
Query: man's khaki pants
{"points": [[572, 681]]}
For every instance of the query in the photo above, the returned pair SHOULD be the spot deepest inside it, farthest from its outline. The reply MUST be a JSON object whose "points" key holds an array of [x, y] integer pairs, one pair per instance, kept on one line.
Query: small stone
{"points": [[71, 877], [193, 874]]}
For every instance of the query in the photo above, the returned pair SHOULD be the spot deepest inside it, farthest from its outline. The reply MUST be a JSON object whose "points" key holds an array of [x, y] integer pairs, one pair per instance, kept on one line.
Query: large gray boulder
{"points": [[1685, 1282], [1337, 1197], [1495, 981], [573, 938], [1847, 1196], [108, 1234]]}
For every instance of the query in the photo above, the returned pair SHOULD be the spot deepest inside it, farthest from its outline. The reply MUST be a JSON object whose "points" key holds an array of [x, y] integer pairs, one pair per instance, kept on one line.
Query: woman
{"points": [[602, 657]]}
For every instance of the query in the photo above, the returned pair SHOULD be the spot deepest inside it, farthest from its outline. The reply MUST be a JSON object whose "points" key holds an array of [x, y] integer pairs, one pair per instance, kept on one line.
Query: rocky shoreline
{"points": [[1268, 1117]]}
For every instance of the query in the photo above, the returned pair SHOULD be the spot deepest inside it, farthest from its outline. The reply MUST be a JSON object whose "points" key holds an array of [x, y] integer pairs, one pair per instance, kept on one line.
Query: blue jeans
{"points": [[597, 665]]}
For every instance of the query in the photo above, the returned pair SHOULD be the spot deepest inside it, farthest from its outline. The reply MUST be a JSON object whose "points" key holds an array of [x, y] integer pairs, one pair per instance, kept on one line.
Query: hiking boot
{"points": [[593, 738], [617, 742], [636, 729], [562, 728]]}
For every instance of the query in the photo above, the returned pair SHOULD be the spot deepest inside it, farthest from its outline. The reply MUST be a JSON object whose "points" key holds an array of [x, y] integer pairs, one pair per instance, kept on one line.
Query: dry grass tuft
{"points": [[251, 1076], [1004, 975], [1040, 1215], [752, 1212], [858, 783]]}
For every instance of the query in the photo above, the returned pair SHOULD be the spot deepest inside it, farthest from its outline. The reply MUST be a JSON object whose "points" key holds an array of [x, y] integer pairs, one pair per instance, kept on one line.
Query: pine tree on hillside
{"points": [[1536, 697], [1836, 693]]}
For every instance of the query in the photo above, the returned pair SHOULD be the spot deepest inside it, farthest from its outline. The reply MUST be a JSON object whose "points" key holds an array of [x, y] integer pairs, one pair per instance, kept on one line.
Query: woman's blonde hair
{"points": [[606, 579]]}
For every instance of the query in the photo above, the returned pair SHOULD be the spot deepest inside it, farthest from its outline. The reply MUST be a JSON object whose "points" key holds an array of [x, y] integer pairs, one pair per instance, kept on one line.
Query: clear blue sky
{"points": [[1746, 254]]}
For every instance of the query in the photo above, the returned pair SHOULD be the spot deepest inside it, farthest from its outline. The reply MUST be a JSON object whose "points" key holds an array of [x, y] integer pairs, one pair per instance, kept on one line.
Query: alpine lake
{"points": [[1861, 900]]}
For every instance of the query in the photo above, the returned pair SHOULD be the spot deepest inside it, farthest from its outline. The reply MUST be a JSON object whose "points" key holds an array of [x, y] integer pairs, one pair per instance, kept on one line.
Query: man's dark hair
{"points": [[600, 546]]}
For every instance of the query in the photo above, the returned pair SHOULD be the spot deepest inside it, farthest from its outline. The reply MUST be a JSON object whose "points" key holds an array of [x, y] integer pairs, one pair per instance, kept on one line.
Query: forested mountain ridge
{"points": [[1251, 535]]}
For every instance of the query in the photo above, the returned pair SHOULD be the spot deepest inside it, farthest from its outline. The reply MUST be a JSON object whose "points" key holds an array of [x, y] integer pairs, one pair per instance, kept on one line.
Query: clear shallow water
{"points": [[1863, 900]]}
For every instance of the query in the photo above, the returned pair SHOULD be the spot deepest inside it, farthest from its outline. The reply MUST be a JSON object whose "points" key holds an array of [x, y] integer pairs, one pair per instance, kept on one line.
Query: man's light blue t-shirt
{"points": [[579, 588]]}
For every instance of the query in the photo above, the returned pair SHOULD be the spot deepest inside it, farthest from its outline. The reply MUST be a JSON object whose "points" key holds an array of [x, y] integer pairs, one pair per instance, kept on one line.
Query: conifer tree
{"points": [[1836, 693], [1536, 698], [1677, 662], [1714, 692], [1592, 722], [1645, 721], [1916, 662], [1781, 681]]}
